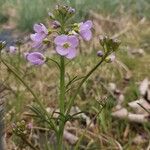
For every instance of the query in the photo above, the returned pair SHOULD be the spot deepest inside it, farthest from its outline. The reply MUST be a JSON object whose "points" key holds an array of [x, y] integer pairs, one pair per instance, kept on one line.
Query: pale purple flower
{"points": [[12, 49], [100, 53], [66, 45], [40, 35], [85, 30], [36, 58]]}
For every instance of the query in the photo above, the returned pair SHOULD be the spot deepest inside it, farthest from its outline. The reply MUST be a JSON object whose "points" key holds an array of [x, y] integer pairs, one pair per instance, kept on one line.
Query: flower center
{"points": [[66, 45]]}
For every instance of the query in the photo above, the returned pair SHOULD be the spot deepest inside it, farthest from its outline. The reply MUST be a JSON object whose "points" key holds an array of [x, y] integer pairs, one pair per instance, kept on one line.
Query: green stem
{"points": [[53, 61], [61, 102], [81, 83], [62, 85]]}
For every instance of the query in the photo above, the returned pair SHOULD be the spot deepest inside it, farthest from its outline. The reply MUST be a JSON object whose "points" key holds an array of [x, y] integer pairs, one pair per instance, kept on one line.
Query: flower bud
{"points": [[49, 31], [115, 44], [51, 15], [23, 122], [110, 58], [100, 53], [63, 10], [57, 7], [56, 24], [71, 10], [103, 40], [18, 124], [18, 42], [2, 44], [12, 49]]}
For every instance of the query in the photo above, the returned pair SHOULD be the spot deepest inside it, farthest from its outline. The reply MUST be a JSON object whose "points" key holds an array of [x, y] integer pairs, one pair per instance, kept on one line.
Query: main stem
{"points": [[61, 102]]}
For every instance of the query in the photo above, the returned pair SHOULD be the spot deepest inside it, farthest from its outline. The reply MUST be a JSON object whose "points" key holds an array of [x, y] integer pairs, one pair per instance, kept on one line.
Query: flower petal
{"points": [[72, 53], [35, 58], [37, 37], [86, 35], [37, 28], [37, 44], [86, 25], [40, 28], [44, 29], [73, 40], [61, 39], [62, 51]]}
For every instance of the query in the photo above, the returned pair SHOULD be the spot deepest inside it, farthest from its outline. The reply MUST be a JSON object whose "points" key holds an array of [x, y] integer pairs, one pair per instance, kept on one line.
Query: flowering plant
{"points": [[66, 41]]}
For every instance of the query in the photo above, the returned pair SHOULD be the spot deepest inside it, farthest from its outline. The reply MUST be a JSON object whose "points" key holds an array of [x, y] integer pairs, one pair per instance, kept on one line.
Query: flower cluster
{"points": [[110, 46], [21, 128], [67, 38], [65, 43]]}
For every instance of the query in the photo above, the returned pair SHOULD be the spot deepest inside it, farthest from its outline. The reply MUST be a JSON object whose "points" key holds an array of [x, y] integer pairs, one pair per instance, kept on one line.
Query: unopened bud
{"points": [[51, 15], [18, 124], [19, 42], [115, 44], [100, 53], [103, 40], [71, 10], [110, 58], [2, 44], [63, 10], [56, 24], [12, 49], [23, 122]]}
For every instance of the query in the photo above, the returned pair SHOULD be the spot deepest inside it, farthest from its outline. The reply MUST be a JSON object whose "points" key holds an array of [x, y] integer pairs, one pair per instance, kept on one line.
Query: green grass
{"points": [[29, 12]]}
